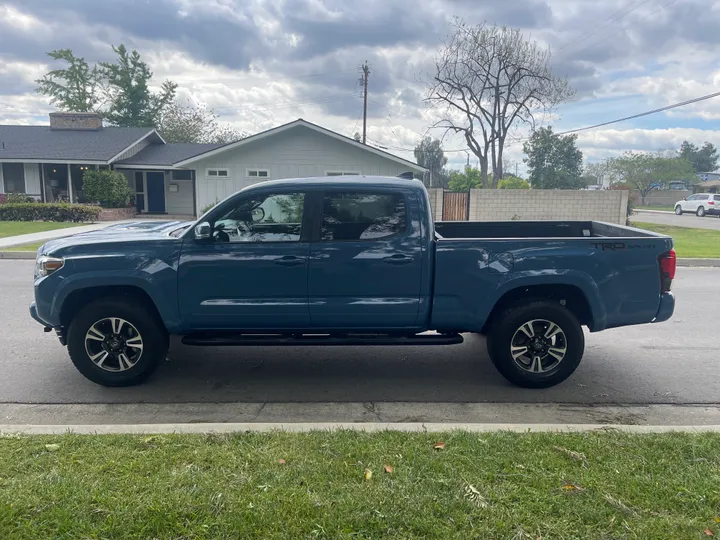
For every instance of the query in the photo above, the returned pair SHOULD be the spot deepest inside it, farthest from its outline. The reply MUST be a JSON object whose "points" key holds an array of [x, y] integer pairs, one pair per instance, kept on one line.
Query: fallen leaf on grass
{"points": [[572, 487], [52, 447], [389, 469], [474, 496], [368, 474], [717, 519], [281, 461], [708, 532], [439, 446], [577, 456]]}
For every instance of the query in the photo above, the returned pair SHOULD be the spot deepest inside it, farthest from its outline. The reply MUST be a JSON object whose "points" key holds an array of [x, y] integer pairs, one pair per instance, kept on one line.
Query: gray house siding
{"points": [[297, 153]]}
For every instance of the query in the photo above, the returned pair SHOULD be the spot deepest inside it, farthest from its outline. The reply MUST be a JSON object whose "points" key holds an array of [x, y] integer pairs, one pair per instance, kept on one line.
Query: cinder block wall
{"points": [[664, 197], [541, 204], [436, 203]]}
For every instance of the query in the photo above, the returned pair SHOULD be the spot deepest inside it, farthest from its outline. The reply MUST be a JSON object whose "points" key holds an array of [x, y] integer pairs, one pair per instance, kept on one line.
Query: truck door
{"points": [[366, 263], [252, 273]]}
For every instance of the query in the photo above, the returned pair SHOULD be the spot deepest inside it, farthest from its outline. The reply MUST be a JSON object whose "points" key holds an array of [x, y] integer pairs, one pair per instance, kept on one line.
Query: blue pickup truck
{"points": [[329, 261]]}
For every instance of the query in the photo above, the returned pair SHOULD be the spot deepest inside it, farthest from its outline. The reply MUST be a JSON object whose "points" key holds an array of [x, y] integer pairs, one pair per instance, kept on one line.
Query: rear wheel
{"points": [[116, 342], [700, 212], [678, 210], [537, 344]]}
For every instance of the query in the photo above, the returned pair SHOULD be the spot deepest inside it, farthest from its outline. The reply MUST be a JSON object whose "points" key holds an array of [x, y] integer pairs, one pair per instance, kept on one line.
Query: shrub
{"points": [[513, 182], [109, 188], [48, 212], [15, 198], [207, 208]]}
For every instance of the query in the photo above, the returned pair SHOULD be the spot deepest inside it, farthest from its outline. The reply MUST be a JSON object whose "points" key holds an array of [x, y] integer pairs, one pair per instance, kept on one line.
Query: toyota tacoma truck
{"points": [[337, 261]]}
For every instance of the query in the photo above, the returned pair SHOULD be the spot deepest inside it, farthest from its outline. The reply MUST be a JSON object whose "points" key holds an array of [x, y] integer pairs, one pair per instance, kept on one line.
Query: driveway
{"points": [[686, 220], [673, 362]]}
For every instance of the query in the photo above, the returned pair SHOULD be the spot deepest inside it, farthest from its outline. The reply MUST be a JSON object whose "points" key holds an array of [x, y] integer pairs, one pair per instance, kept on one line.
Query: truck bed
{"points": [[536, 229]]}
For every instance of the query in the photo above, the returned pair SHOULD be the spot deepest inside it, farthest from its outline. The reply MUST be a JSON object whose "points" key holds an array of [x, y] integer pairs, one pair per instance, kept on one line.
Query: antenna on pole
{"points": [[365, 75]]}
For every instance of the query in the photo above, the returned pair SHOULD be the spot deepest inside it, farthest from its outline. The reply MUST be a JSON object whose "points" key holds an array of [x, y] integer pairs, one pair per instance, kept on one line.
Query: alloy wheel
{"points": [[538, 346], [113, 344]]}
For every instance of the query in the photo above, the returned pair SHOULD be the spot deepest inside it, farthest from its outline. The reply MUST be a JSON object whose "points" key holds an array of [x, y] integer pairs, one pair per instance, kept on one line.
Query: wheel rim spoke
{"points": [[528, 329], [100, 358], [536, 366], [124, 362], [95, 334], [117, 324], [135, 343], [552, 330], [557, 353], [517, 352]]}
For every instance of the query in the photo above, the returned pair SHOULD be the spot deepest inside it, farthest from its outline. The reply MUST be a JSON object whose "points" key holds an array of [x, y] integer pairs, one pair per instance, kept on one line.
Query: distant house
{"points": [[47, 162]]}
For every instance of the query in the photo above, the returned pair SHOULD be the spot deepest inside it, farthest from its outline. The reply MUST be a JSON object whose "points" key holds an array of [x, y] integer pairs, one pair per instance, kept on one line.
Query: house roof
{"points": [[165, 155], [40, 143], [296, 123]]}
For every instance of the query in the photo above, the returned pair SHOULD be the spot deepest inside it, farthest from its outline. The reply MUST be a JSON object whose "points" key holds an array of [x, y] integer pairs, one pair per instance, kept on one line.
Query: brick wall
{"points": [[540, 204]]}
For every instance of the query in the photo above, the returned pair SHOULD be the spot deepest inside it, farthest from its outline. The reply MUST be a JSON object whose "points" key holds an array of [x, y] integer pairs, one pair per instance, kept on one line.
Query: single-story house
{"points": [[47, 162]]}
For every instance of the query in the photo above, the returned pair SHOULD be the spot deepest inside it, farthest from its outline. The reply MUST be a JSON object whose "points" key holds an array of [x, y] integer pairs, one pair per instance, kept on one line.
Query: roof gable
{"points": [[300, 123]]}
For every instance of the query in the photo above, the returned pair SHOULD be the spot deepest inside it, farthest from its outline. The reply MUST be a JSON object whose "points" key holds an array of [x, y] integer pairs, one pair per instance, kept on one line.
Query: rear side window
{"points": [[702, 197], [362, 216]]}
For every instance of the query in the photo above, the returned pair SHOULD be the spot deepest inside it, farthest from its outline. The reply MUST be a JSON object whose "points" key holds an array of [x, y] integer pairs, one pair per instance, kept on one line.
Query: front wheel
{"points": [[116, 342], [700, 212], [678, 210], [537, 344]]}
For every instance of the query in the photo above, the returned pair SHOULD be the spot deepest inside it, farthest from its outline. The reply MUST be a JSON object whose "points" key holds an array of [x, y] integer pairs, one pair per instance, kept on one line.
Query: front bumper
{"points": [[667, 307], [34, 314]]}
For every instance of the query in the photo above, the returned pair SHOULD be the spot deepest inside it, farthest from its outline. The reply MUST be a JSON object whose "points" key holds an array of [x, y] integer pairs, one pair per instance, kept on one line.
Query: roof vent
{"points": [[76, 120]]}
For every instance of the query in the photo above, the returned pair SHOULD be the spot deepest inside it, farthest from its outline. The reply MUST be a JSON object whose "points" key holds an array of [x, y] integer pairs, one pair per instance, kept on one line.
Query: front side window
{"points": [[263, 218], [362, 216]]}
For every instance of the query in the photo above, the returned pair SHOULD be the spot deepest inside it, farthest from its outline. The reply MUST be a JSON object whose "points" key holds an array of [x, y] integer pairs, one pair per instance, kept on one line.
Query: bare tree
{"points": [[487, 80]]}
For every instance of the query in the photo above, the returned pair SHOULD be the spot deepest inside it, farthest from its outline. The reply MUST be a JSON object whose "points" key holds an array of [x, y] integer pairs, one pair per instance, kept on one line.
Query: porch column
{"points": [[69, 183]]}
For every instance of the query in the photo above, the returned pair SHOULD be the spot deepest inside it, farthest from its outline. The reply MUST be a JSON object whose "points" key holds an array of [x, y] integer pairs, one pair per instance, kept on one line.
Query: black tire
{"points": [[678, 210], [700, 212], [154, 341], [505, 328]]}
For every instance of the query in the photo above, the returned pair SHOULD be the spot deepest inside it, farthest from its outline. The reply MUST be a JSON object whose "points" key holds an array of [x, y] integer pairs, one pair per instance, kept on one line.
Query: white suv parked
{"points": [[700, 204]]}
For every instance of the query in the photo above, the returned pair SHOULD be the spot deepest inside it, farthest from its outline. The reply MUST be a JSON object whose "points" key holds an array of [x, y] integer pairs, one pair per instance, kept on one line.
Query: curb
{"points": [[712, 263], [131, 429], [642, 211], [18, 255]]}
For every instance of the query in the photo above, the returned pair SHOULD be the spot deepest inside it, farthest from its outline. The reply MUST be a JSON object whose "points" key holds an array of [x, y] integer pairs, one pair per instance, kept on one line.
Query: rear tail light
{"points": [[668, 264], [711, 202]]}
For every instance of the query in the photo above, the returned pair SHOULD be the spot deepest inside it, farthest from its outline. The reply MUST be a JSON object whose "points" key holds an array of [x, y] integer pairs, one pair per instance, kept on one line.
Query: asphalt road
{"points": [[672, 362], [686, 220]]}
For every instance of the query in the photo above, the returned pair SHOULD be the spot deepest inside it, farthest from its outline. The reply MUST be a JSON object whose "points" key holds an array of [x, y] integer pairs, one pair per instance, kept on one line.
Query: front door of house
{"points": [[156, 191]]}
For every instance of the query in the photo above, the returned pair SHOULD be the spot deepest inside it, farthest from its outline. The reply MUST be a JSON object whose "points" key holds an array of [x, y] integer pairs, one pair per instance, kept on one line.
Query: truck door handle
{"points": [[290, 260], [398, 259]]}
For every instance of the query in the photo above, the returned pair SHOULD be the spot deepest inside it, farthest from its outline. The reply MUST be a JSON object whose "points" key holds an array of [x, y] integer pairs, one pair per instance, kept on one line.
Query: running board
{"points": [[274, 340]]}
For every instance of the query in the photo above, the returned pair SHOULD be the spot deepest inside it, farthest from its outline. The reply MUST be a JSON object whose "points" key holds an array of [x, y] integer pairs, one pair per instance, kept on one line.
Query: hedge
{"points": [[48, 212]]}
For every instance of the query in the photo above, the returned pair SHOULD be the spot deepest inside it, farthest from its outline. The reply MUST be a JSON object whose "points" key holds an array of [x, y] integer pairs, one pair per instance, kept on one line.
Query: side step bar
{"points": [[274, 340]]}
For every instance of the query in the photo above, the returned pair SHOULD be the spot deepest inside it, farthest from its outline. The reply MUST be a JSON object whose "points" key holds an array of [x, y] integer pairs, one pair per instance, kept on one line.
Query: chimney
{"points": [[76, 120]]}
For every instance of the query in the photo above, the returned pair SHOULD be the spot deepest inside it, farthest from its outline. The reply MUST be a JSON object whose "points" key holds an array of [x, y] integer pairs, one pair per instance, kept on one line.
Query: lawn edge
{"points": [[299, 427]]}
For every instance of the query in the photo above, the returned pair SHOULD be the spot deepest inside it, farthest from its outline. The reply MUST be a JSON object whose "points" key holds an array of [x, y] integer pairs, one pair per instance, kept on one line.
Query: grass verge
{"points": [[689, 243], [663, 208], [14, 228], [25, 247], [284, 485]]}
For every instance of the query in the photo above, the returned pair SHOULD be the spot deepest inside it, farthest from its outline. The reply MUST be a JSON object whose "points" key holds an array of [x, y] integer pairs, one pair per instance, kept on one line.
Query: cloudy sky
{"points": [[260, 63]]}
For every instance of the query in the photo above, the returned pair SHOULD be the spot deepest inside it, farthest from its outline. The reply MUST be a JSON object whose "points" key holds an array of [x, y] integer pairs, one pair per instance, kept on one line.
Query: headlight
{"points": [[44, 265]]}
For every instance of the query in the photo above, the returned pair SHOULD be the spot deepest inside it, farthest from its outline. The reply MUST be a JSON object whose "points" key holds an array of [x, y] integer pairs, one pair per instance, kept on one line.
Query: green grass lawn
{"points": [[665, 208], [25, 247], [14, 228], [689, 243], [283, 485]]}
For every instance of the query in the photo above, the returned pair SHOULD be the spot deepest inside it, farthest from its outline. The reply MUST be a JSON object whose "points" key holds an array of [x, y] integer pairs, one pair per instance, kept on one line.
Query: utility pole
{"points": [[366, 74]]}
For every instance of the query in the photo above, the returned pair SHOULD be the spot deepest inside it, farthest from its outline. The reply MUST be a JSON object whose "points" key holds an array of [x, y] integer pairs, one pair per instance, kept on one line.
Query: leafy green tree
{"points": [[75, 88], [513, 182], [186, 123], [131, 102], [703, 159], [429, 154], [646, 172], [109, 188], [470, 178], [554, 161]]}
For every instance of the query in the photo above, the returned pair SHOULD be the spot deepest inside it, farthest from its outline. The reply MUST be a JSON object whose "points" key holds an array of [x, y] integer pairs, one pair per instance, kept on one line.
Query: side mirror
{"points": [[203, 231]]}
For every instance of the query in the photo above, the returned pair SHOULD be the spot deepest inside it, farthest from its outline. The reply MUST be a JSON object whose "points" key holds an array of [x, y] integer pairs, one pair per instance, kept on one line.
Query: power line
{"points": [[646, 113]]}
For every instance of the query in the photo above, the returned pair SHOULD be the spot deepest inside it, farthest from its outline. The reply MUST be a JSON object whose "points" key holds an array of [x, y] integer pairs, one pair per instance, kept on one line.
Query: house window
{"points": [[183, 175], [218, 172], [14, 177], [342, 173], [257, 173]]}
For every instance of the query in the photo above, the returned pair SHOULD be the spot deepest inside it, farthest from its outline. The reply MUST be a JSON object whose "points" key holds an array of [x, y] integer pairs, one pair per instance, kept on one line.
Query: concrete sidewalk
{"points": [[44, 236]]}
